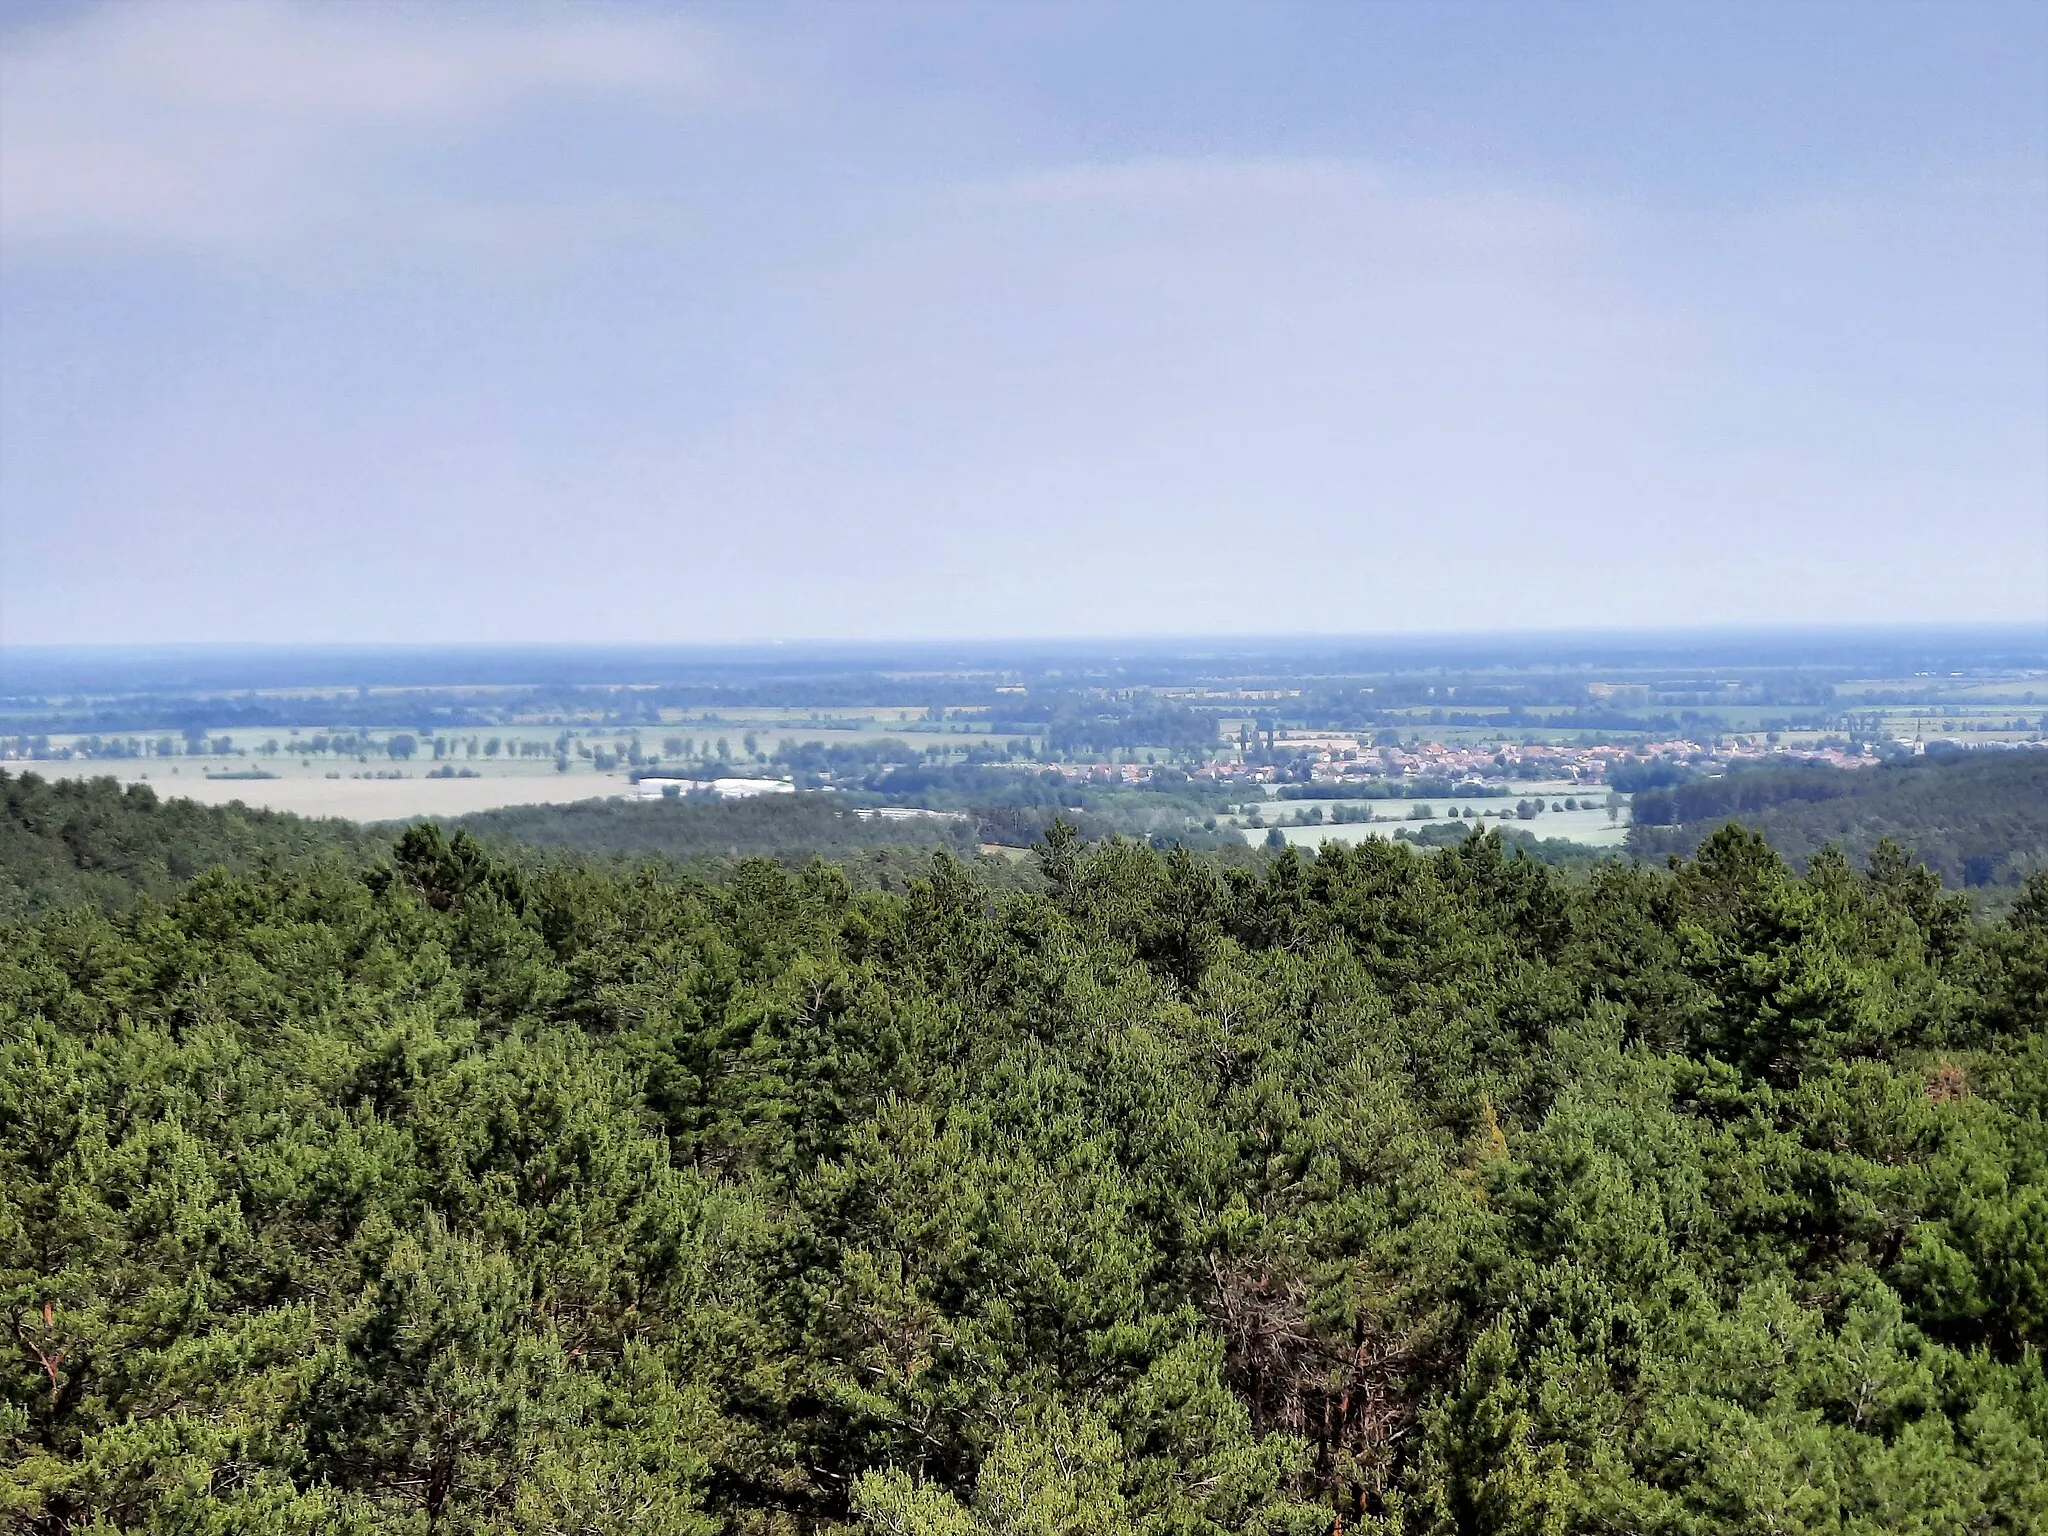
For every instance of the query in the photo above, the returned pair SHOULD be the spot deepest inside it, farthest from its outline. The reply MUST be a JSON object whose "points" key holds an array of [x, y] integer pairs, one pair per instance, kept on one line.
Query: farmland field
{"points": [[313, 793], [1592, 827], [1589, 824]]}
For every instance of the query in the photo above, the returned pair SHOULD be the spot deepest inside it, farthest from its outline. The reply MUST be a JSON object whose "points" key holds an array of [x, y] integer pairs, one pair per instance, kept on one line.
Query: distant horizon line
{"points": [[1273, 638], [219, 668]]}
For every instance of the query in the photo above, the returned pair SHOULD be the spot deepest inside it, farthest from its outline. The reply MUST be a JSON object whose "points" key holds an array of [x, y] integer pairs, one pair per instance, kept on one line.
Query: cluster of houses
{"points": [[1343, 758]]}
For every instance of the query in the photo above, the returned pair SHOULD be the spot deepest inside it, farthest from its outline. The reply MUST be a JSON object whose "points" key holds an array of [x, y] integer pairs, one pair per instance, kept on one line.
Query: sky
{"points": [[615, 323]]}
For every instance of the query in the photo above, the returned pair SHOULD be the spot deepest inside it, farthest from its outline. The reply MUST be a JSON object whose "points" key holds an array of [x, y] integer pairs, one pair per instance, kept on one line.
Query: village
{"points": [[1347, 759]]}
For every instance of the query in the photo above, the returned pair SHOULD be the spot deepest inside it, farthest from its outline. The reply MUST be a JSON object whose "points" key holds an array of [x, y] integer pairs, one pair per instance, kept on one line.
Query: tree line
{"points": [[1978, 819], [94, 843]]}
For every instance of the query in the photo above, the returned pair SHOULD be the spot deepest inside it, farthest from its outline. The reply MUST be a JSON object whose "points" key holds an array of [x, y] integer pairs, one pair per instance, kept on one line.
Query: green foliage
{"points": [[707, 838], [1559, 852], [1978, 819], [90, 842], [771, 826], [976, 807], [1436, 1190]]}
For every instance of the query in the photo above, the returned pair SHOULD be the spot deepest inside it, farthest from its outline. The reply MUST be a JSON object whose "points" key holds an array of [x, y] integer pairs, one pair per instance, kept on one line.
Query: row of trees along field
{"points": [[1431, 1191]]}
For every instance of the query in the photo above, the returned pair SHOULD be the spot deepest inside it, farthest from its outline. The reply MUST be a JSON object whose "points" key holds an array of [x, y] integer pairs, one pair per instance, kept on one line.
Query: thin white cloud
{"points": [[1166, 395], [775, 372], [243, 120]]}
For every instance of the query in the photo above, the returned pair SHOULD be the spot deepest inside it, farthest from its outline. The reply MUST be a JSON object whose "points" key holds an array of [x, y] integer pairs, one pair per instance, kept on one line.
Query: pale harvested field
{"points": [[1589, 827], [369, 799]]}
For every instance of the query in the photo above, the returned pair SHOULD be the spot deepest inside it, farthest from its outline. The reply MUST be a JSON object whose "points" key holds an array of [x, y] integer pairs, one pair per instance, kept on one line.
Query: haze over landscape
{"points": [[1023, 769]]}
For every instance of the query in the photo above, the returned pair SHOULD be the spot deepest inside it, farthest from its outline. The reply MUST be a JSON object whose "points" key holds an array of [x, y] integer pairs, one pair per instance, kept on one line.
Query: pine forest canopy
{"points": [[1439, 1191]]}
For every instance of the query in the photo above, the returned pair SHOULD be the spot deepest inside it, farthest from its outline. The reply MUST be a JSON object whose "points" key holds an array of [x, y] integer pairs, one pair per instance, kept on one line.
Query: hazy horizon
{"points": [[243, 666], [635, 324]]}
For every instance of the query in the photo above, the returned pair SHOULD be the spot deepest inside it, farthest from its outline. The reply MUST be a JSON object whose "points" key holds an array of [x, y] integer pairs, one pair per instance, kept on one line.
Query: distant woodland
{"points": [[705, 837], [1976, 819]]}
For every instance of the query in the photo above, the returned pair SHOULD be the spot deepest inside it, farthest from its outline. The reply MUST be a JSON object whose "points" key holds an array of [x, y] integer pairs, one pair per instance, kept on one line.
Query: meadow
{"points": [[332, 792], [487, 768], [1590, 824]]}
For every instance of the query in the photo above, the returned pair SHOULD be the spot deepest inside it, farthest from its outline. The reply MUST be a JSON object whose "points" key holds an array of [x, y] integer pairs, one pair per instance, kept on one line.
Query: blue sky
{"points": [[617, 323]]}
